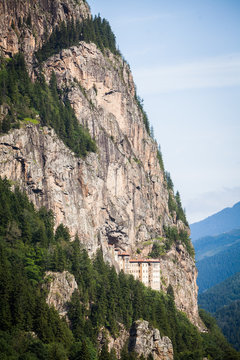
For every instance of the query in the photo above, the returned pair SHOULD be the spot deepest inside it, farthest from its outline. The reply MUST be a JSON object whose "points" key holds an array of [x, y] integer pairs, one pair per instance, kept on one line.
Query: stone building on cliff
{"points": [[145, 270]]}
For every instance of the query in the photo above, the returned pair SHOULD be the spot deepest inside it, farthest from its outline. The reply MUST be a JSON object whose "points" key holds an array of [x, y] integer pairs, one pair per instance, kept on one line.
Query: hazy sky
{"points": [[185, 59]]}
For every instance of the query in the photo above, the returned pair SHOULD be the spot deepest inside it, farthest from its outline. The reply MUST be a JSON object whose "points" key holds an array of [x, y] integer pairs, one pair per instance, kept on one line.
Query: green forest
{"points": [[39, 103], [221, 294], [31, 330], [228, 319], [223, 302], [221, 266]]}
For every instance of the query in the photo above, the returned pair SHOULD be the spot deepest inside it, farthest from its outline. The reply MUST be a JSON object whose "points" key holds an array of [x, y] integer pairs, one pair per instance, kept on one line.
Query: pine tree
{"points": [[104, 354]]}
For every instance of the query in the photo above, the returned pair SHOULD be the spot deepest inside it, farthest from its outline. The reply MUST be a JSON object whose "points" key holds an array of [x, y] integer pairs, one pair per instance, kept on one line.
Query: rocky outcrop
{"points": [[142, 339], [60, 288], [25, 24], [145, 340], [115, 344]]}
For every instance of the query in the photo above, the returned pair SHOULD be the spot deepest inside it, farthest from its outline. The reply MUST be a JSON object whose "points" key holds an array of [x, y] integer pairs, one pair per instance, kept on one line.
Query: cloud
{"points": [[215, 72], [209, 203]]}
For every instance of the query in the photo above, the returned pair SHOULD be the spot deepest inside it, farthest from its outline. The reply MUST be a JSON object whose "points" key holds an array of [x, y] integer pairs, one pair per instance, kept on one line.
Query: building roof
{"points": [[123, 254], [145, 260]]}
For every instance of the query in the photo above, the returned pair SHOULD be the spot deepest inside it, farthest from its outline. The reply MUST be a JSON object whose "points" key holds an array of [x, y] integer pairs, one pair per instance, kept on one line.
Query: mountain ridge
{"points": [[221, 294], [220, 222], [221, 266], [210, 245]]}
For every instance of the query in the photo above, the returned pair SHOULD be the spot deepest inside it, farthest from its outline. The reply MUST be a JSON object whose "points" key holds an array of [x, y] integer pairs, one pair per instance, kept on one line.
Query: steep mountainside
{"points": [[211, 245], [213, 270], [223, 301], [117, 197], [26, 24], [223, 221], [221, 294], [228, 319]]}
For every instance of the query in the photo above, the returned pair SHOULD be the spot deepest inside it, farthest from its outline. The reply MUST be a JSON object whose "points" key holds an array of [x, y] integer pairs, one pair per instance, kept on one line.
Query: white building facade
{"points": [[145, 270]]}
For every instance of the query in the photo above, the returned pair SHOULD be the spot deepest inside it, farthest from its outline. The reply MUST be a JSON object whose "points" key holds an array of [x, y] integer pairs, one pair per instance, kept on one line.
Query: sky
{"points": [[185, 59]]}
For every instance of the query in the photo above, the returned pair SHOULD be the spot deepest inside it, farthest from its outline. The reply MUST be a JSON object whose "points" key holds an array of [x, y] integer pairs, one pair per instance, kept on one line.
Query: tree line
{"points": [[70, 33]]}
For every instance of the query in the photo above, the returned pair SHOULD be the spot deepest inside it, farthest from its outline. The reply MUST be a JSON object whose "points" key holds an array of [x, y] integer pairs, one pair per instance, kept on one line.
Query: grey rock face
{"points": [[25, 24], [117, 343], [60, 289], [145, 340]]}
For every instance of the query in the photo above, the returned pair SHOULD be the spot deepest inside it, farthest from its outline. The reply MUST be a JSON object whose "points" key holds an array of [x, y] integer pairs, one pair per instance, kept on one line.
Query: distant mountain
{"points": [[223, 301], [223, 221], [211, 245], [212, 270], [221, 294]]}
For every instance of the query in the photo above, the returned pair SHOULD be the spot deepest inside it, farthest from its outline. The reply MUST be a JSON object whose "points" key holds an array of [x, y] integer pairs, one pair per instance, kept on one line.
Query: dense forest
{"points": [[223, 301], [228, 319], [221, 294], [211, 245], [31, 330], [38, 103], [221, 266]]}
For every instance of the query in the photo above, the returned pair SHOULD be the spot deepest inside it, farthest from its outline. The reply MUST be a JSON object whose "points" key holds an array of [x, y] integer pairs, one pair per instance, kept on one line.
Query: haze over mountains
{"points": [[217, 246], [223, 221], [211, 245], [214, 269]]}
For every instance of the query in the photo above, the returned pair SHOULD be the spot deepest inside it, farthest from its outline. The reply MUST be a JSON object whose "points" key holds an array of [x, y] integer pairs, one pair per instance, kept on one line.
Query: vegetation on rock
{"points": [[29, 246], [32, 330], [95, 30], [26, 101]]}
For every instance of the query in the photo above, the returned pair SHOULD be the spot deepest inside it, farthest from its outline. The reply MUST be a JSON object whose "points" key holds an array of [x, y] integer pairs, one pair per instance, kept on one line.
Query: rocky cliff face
{"points": [[145, 340], [26, 24], [60, 288], [132, 198], [117, 196], [117, 343], [178, 269], [142, 339]]}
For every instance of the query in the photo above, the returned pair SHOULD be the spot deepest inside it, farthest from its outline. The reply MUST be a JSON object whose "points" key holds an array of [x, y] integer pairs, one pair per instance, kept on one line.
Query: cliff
{"points": [[142, 339], [26, 24], [116, 197], [145, 340]]}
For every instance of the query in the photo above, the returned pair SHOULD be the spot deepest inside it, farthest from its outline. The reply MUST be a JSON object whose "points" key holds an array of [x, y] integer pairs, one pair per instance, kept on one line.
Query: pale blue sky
{"points": [[185, 58]]}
